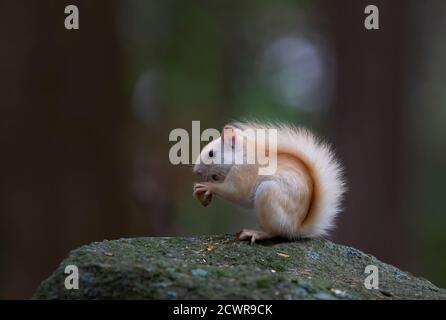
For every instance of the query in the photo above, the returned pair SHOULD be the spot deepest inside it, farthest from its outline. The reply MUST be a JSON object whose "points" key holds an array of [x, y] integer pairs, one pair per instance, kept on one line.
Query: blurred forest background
{"points": [[86, 115]]}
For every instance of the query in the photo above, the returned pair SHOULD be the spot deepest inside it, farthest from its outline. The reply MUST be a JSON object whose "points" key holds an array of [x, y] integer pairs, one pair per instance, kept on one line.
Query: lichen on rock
{"points": [[220, 267]]}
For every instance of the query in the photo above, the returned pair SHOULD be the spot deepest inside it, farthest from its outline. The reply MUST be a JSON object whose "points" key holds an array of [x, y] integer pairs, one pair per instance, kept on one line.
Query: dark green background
{"points": [[86, 115]]}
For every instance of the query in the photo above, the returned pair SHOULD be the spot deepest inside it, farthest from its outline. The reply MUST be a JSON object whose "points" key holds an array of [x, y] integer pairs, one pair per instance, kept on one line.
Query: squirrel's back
{"points": [[323, 168]]}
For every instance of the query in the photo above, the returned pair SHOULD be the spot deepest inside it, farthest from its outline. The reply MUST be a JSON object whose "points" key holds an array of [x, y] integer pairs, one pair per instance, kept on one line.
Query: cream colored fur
{"points": [[303, 197]]}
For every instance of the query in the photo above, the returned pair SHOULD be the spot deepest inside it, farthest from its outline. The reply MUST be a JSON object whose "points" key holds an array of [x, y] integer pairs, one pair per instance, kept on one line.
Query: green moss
{"points": [[219, 267]]}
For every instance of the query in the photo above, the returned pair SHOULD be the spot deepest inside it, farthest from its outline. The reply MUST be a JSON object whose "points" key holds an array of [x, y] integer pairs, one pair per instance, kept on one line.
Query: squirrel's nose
{"points": [[197, 170]]}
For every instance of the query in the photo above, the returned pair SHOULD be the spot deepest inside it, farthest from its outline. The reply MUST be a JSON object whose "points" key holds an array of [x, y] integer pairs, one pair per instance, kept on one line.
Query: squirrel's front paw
{"points": [[202, 193]]}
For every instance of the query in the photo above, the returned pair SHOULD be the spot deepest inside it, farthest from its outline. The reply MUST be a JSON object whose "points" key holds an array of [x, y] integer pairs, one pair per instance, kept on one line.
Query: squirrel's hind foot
{"points": [[253, 235]]}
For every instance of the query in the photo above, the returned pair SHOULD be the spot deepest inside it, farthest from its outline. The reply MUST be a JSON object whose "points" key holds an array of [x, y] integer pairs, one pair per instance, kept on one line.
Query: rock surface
{"points": [[219, 267]]}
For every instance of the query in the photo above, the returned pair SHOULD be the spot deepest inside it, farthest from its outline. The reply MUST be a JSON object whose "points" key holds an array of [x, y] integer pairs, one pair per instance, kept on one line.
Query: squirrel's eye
{"points": [[211, 153]]}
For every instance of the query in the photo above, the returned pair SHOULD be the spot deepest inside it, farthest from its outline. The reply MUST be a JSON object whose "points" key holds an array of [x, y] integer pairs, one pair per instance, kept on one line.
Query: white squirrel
{"points": [[300, 200]]}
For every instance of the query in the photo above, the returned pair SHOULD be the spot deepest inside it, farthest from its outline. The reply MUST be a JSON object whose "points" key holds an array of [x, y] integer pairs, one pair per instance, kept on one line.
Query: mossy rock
{"points": [[219, 267]]}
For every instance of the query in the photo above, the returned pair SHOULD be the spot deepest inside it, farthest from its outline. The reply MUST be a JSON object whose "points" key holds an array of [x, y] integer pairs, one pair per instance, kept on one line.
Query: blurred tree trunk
{"points": [[155, 180], [62, 122], [368, 122]]}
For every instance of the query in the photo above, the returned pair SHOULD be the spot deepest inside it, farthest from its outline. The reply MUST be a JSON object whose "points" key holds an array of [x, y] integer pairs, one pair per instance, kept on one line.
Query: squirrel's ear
{"points": [[228, 134]]}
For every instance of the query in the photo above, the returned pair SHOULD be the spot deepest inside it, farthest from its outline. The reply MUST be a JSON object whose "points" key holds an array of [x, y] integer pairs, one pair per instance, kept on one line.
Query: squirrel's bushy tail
{"points": [[325, 171]]}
